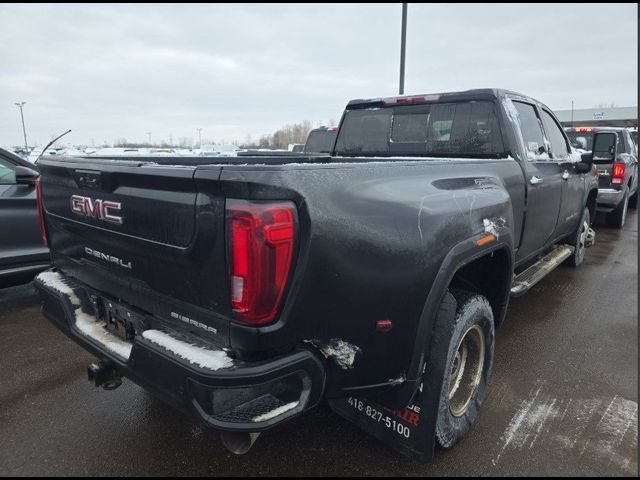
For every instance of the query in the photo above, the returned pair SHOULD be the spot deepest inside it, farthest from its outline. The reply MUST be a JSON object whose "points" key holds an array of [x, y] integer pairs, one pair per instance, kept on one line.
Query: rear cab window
{"points": [[461, 129], [320, 141], [582, 138]]}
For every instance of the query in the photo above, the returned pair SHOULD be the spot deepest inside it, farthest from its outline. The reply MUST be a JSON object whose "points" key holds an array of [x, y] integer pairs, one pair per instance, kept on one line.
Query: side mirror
{"points": [[585, 163], [604, 147], [26, 176], [586, 157]]}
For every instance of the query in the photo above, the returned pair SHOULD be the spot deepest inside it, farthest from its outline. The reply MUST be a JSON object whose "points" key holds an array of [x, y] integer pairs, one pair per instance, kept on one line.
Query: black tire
{"points": [[633, 201], [578, 239], [473, 317], [618, 217]]}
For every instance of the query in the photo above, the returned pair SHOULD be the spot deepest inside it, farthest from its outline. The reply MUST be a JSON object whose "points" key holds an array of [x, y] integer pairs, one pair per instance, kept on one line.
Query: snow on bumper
{"points": [[221, 391], [88, 325], [200, 356]]}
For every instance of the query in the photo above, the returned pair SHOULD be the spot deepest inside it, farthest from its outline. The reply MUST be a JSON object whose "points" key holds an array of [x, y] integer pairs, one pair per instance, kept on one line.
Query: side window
{"points": [[620, 145], [7, 173], [559, 147], [633, 148], [531, 131]]}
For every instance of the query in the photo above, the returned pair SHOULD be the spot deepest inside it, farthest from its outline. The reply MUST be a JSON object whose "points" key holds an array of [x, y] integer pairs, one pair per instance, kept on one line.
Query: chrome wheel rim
{"points": [[465, 371]]}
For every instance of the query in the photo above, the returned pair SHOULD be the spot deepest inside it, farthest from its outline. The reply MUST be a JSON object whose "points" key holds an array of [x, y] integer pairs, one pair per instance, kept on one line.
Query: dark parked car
{"points": [[22, 251], [247, 290], [616, 157]]}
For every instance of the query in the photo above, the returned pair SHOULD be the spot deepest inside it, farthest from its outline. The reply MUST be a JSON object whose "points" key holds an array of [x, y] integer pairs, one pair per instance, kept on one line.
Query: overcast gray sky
{"points": [[116, 71]]}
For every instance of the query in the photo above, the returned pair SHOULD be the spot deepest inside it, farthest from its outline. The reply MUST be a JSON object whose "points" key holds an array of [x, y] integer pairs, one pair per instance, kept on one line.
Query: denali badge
{"points": [[100, 209], [107, 258]]}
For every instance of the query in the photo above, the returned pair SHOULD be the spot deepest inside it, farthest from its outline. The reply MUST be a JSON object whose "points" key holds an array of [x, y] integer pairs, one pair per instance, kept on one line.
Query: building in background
{"points": [[600, 117]]}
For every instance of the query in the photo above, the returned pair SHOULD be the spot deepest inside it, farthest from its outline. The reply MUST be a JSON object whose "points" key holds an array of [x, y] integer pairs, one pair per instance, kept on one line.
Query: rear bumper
{"points": [[232, 395], [609, 198], [17, 275]]}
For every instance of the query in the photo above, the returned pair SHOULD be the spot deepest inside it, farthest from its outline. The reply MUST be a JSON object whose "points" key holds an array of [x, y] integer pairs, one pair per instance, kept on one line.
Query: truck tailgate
{"points": [[142, 234]]}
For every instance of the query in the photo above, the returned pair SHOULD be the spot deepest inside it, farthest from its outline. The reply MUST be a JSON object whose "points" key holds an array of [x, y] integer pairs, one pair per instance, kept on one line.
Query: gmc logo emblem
{"points": [[100, 209]]}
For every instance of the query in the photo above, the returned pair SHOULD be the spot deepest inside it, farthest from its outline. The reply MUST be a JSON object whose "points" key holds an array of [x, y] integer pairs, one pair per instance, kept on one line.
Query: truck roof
{"points": [[477, 93]]}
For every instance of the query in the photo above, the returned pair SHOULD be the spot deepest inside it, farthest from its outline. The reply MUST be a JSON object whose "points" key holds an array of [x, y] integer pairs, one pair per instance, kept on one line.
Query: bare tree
{"points": [[293, 133]]}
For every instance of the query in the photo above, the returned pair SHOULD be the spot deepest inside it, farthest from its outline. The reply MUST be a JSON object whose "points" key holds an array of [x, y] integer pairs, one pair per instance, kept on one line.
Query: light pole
{"points": [[149, 133], [24, 131], [199, 138], [572, 113], [403, 46]]}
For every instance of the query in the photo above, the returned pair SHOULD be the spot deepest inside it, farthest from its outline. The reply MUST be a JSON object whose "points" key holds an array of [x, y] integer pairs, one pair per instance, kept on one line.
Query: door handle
{"points": [[565, 175], [535, 180]]}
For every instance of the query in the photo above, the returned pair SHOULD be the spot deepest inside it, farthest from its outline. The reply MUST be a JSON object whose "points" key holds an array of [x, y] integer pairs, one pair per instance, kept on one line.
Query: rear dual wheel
{"points": [[579, 240], [469, 343]]}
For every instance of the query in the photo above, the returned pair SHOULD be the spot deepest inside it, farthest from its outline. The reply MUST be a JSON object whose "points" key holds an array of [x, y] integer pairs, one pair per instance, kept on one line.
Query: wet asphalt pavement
{"points": [[562, 398]]}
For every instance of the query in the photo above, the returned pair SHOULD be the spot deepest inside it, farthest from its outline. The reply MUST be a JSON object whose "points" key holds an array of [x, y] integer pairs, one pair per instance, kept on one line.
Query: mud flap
{"points": [[405, 430], [412, 430]]}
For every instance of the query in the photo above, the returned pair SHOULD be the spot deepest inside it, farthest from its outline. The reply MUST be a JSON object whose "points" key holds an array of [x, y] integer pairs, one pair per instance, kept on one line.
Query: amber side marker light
{"points": [[486, 240]]}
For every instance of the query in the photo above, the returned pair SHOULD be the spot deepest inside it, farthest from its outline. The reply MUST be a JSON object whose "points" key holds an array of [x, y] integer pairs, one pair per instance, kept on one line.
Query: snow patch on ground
{"points": [[526, 424], [620, 415], [604, 431], [203, 357], [275, 413]]}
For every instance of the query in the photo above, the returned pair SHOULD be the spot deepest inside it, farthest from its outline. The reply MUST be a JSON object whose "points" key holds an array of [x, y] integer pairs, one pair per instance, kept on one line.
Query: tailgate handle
{"points": [[88, 179]]}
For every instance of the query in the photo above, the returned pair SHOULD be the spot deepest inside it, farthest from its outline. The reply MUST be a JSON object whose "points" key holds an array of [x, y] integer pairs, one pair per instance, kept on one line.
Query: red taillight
{"points": [[617, 174], [262, 241], [43, 232]]}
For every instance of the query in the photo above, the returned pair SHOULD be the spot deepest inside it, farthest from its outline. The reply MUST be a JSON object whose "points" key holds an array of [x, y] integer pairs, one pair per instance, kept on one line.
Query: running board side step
{"points": [[543, 267]]}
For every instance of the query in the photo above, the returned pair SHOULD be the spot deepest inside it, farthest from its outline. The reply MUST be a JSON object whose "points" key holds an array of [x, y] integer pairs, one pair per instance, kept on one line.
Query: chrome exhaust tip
{"points": [[238, 443]]}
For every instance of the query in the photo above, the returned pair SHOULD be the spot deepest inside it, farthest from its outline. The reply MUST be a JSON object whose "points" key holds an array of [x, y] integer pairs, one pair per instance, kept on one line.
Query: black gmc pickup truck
{"points": [[246, 290]]}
